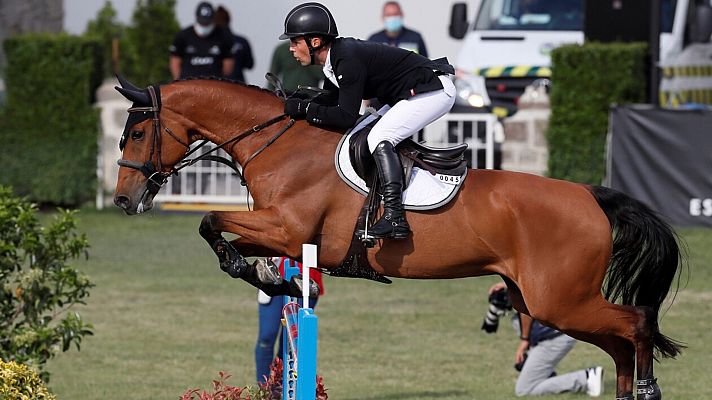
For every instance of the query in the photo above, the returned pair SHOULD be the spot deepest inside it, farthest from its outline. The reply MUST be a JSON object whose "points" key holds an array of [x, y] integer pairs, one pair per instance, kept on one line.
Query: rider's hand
{"points": [[296, 108]]}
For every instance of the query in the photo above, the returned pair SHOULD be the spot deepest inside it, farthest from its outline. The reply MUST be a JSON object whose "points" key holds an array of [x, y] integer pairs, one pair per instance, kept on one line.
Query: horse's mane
{"points": [[252, 87], [228, 80]]}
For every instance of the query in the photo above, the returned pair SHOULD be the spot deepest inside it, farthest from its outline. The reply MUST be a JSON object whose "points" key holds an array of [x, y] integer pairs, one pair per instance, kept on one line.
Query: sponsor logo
{"points": [[701, 207], [201, 61]]}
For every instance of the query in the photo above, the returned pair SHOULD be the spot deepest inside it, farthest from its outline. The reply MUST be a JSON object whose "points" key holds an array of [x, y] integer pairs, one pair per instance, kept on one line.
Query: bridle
{"points": [[155, 175]]}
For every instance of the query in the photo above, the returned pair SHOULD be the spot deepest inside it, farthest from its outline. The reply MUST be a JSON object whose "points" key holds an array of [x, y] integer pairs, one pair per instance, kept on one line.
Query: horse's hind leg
{"points": [[623, 354], [626, 334], [631, 340], [621, 350], [646, 385]]}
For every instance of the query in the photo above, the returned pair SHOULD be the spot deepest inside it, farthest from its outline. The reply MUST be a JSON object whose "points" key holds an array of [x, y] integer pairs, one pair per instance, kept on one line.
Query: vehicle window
{"points": [[667, 14], [545, 15]]}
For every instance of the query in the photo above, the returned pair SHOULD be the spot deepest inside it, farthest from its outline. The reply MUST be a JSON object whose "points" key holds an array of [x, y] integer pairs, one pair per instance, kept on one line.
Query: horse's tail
{"points": [[644, 260]]}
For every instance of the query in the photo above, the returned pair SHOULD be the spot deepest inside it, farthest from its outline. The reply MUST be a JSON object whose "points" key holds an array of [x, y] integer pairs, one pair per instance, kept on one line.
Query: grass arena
{"points": [[170, 320]]}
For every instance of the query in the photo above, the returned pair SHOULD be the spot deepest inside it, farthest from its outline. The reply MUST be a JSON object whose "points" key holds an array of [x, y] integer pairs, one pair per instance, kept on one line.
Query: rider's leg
{"points": [[404, 119], [393, 223]]}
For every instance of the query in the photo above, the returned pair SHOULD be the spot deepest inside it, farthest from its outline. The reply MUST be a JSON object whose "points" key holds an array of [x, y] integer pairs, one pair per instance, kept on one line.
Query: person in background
{"points": [[397, 35], [290, 72], [540, 350], [270, 320], [201, 50], [241, 51]]}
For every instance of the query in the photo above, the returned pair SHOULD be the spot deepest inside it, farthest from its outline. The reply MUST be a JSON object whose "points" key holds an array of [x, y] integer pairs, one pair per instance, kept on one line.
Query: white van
{"points": [[508, 45]]}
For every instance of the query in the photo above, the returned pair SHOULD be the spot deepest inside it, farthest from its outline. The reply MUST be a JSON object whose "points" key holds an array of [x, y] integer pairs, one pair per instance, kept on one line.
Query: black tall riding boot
{"points": [[392, 224]]}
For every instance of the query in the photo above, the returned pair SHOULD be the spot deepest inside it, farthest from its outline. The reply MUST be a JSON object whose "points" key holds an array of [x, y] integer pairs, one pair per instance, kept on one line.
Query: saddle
{"points": [[445, 161]]}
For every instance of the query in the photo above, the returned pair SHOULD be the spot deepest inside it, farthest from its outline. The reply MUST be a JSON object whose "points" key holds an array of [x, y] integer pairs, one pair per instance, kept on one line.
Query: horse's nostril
{"points": [[122, 201]]}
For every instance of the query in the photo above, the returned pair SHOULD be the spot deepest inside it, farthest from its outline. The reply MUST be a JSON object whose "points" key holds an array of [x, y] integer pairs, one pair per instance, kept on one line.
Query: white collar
{"points": [[329, 70]]}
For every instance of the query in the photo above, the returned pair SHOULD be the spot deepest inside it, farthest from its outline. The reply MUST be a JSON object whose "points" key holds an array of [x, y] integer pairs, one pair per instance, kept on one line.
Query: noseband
{"points": [[156, 177]]}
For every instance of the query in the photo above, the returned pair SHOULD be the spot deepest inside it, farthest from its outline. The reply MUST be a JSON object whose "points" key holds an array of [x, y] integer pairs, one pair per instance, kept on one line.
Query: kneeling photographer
{"points": [[540, 350]]}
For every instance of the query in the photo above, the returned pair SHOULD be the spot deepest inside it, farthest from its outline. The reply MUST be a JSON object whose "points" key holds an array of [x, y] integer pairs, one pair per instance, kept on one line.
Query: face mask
{"points": [[203, 31], [393, 24]]}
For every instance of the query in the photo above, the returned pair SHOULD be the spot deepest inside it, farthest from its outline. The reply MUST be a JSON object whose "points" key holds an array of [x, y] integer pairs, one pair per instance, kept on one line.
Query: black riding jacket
{"points": [[365, 70]]}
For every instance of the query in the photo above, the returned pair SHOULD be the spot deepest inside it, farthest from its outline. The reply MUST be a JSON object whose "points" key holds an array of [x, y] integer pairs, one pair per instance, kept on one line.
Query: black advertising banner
{"points": [[663, 157]]}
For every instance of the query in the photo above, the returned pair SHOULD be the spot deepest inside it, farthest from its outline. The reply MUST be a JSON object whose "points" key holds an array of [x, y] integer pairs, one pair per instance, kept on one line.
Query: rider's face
{"points": [[300, 51]]}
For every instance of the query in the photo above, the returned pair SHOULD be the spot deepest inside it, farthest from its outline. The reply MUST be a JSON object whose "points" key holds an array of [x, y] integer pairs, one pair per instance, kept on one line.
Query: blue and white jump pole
{"points": [[299, 335]]}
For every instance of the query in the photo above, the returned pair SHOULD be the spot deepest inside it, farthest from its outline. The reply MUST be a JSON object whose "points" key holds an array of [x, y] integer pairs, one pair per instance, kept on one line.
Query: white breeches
{"points": [[409, 116]]}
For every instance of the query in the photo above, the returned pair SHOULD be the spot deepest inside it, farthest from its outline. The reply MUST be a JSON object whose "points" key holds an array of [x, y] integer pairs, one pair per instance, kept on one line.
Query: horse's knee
{"points": [[208, 225]]}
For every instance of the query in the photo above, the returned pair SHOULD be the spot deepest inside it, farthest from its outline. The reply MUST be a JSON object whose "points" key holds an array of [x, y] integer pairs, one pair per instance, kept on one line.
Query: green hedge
{"points": [[587, 79], [48, 128]]}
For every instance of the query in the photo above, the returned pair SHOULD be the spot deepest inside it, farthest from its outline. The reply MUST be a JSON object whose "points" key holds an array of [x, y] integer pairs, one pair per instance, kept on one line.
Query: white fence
{"points": [[205, 182]]}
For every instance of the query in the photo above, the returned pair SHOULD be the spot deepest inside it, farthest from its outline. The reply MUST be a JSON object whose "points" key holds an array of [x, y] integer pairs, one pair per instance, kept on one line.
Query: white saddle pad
{"points": [[425, 190]]}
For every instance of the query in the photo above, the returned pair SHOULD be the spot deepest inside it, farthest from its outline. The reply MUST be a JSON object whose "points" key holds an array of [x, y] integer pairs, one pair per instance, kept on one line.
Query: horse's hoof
{"points": [[627, 396], [267, 271], [648, 389], [295, 287]]}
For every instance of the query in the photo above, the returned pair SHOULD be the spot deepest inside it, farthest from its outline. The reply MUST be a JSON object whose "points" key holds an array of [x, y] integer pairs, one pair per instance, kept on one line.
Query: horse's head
{"points": [[148, 155]]}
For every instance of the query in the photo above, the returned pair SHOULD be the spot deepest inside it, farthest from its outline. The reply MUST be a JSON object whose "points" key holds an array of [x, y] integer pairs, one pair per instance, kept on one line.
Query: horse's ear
{"points": [[137, 96], [126, 84]]}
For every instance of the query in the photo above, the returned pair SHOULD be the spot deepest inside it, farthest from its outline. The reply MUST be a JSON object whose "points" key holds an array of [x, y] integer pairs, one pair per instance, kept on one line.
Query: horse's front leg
{"points": [[261, 229]]}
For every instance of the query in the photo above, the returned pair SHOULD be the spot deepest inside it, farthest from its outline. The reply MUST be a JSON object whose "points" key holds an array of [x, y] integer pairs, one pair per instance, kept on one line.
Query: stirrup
{"points": [[367, 240]]}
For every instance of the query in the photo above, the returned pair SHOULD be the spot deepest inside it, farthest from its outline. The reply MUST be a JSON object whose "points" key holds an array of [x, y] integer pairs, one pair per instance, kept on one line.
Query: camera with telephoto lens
{"points": [[499, 304]]}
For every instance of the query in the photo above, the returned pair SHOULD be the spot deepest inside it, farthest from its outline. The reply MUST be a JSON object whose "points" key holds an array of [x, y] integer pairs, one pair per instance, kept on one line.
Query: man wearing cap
{"points": [[201, 50]]}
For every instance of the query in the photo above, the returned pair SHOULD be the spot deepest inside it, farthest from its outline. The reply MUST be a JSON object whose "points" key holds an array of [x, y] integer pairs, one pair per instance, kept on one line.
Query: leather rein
{"points": [[155, 175]]}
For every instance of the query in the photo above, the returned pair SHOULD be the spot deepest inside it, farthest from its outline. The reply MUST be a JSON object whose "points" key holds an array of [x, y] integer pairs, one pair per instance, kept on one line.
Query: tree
{"points": [[146, 43], [38, 287], [106, 28]]}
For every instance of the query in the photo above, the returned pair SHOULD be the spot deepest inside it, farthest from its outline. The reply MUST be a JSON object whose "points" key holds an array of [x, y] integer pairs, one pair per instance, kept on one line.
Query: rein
{"points": [[156, 178]]}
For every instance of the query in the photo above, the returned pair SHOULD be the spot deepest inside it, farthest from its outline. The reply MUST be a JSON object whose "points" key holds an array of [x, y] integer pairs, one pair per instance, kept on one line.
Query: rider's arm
{"points": [[351, 77]]}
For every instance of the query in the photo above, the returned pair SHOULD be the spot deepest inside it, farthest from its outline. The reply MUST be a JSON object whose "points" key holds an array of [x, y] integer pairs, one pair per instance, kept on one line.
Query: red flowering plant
{"points": [[271, 389]]}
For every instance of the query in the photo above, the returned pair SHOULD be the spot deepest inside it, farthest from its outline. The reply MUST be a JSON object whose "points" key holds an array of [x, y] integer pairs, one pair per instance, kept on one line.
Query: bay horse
{"points": [[591, 262]]}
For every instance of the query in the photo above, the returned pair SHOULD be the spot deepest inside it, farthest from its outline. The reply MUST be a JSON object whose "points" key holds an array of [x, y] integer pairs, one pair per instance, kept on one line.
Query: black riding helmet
{"points": [[309, 20]]}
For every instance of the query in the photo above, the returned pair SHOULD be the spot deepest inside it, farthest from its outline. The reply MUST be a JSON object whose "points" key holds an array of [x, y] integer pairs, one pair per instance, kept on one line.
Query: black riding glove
{"points": [[296, 108]]}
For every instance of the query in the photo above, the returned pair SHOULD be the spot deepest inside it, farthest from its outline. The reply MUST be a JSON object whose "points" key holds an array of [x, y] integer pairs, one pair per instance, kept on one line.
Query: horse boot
{"points": [[264, 275], [648, 389], [230, 260], [392, 224]]}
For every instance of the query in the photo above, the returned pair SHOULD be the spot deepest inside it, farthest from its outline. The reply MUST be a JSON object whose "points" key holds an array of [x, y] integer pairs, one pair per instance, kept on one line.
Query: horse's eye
{"points": [[136, 135]]}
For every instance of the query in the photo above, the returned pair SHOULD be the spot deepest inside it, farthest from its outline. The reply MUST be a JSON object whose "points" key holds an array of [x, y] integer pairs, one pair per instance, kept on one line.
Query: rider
{"points": [[417, 89]]}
